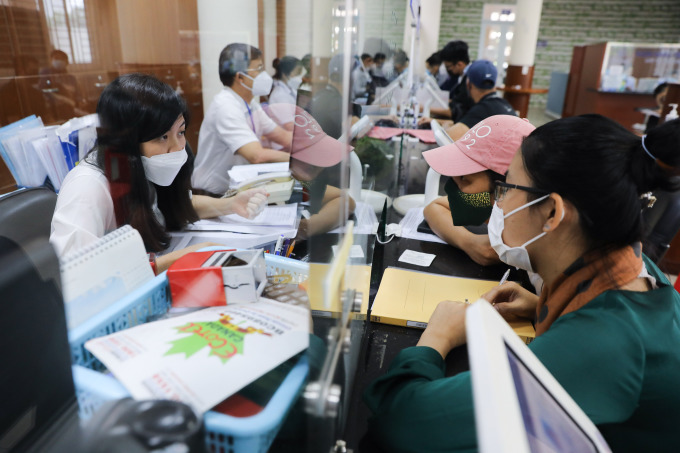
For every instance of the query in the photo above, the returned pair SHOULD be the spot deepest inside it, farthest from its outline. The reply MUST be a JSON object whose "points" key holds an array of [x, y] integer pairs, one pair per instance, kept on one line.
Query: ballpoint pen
{"points": [[503, 280], [505, 277]]}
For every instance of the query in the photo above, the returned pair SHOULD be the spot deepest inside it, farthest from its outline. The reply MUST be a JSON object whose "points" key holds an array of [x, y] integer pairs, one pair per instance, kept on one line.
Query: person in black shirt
{"points": [[481, 83], [456, 59]]}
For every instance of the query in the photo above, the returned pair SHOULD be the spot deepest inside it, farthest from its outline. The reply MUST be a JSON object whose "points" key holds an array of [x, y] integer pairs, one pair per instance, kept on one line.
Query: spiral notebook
{"points": [[99, 274]]}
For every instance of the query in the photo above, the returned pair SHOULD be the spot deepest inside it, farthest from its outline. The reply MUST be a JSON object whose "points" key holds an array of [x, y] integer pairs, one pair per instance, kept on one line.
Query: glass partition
{"points": [[340, 67]]}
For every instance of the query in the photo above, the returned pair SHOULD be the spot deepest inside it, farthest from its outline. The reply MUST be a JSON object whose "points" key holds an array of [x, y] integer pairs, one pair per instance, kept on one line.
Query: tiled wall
{"points": [[569, 23], [384, 19]]}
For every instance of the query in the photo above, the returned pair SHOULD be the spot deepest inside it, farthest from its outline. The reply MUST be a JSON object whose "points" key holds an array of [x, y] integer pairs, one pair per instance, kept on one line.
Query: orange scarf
{"points": [[587, 278]]}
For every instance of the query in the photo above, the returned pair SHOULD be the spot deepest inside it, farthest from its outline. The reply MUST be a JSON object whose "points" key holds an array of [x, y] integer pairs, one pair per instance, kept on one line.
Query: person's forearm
{"points": [[439, 219], [207, 207], [268, 155], [330, 216], [440, 112]]}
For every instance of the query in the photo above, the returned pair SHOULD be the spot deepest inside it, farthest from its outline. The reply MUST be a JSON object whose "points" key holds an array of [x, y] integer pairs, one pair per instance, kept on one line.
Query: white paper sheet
{"points": [[409, 227], [417, 258], [273, 217], [205, 356]]}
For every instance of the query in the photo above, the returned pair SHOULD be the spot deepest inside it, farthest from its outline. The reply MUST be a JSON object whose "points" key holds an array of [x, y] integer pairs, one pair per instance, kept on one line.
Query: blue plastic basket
{"points": [[223, 433], [150, 299], [295, 271]]}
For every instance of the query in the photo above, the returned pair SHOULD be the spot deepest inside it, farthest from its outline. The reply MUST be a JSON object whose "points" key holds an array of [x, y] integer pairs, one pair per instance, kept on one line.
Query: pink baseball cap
{"points": [[310, 143], [489, 145]]}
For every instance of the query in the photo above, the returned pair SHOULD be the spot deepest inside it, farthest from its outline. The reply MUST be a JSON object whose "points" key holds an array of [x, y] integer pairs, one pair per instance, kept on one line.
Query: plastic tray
{"points": [[223, 433], [150, 299], [294, 271]]}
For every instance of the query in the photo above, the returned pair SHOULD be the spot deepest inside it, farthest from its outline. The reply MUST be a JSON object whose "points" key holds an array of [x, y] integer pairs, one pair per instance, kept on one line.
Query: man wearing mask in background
{"points": [[361, 77], [234, 124], [455, 59]]}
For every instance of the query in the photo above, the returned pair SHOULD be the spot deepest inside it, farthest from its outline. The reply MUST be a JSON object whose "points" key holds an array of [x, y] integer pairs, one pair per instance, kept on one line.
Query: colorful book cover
{"points": [[205, 356]]}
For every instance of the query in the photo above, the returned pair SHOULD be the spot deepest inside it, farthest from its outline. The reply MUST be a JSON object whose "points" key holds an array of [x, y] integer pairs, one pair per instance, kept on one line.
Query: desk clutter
{"points": [[245, 418], [34, 152]]}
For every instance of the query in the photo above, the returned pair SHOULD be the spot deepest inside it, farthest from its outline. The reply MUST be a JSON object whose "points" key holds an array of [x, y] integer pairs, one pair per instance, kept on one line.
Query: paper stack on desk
{"points": [[272, 220], [408, 298], [203, 357]]}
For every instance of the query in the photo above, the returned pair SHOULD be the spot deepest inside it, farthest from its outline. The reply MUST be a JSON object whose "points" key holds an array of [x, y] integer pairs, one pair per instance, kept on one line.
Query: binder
{"points": [[99, 274]]}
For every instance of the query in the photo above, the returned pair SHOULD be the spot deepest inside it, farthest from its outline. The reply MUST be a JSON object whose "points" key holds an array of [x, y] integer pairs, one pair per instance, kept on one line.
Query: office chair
{"points": [[25, 219], [662, 222]]}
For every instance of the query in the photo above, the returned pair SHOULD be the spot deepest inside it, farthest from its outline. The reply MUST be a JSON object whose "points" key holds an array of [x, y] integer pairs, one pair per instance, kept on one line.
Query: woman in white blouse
{"points": [[139, 174]]}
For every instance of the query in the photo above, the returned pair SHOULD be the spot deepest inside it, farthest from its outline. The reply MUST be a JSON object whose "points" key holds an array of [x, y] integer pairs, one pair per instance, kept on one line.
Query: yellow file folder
{"points": [[408, 298]]}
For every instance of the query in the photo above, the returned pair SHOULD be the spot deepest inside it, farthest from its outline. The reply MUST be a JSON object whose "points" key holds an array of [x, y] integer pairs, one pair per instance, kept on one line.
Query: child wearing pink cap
{"points": [[473, 163]]}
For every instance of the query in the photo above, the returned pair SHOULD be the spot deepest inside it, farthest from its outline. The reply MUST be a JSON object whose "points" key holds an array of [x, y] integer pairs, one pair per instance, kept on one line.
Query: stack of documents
{"points": [[33, 152], [274, 219]]}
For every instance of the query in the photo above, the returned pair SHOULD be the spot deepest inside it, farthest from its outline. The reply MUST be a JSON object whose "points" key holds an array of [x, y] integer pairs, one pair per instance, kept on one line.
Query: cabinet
{"points": [[614, 79]]}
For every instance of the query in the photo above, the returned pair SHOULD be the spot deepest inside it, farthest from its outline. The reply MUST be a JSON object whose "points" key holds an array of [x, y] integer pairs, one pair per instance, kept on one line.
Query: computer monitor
{"points": [[519, 406]]}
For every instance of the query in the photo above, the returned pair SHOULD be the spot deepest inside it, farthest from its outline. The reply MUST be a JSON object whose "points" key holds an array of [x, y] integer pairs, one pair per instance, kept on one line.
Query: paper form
{"points": [[271, 216], [409, 227], [409, 297]]}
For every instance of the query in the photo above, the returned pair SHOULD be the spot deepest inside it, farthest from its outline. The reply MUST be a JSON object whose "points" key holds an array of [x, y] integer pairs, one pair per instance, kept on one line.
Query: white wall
{"points": [[221, 22], [430, 16], [299, 27], [270, 32]]}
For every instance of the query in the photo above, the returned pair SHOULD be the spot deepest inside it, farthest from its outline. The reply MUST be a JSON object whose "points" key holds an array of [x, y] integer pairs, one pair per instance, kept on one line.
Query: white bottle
{"points": [[673, 114]]}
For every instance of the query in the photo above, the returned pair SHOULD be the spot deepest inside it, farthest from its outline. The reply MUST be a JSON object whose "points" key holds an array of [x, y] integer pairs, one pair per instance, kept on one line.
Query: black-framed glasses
{"points": [[502, 189]]}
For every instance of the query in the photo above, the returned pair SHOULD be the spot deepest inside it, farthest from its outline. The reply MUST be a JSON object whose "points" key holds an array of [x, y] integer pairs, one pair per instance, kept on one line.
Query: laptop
{"points": [[519, 406]]}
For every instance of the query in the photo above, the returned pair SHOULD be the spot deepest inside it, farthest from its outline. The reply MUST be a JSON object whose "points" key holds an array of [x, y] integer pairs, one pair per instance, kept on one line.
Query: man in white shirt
{"points": [[234, 125], [361, 77]]}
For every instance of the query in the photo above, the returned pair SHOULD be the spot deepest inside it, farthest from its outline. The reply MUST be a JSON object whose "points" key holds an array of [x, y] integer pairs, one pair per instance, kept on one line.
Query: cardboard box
{"points": [[217, 277]]}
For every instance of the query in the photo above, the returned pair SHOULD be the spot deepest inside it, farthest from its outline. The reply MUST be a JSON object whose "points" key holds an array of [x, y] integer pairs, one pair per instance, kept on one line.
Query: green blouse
{"points": [[467, 209], [618, 357]]}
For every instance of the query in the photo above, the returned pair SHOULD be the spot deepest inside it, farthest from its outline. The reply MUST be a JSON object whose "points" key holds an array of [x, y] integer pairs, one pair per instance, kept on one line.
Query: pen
{"points": [[277, 248], [505, 277]]}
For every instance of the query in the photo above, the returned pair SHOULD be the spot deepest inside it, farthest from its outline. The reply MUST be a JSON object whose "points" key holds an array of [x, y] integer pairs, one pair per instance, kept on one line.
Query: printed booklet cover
{"points": [[203, 357]]}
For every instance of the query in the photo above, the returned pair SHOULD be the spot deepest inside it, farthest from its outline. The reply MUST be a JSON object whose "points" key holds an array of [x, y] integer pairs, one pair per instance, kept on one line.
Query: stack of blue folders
{"points": [[34, 152]]}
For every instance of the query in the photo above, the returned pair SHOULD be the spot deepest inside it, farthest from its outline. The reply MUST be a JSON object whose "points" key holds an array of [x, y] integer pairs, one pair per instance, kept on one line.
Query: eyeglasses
{"points": [[258, 69], [502, 189]]}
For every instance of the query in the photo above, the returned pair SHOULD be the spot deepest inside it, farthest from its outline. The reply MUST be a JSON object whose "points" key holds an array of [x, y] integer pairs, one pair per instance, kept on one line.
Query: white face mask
{"points": [[512, 256], [294, 82], [162, 169], [262, 84]]}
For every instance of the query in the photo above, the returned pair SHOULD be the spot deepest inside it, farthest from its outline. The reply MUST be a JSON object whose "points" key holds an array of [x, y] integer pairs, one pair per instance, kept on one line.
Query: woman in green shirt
{"points": [[607, 321], [472, 164]]}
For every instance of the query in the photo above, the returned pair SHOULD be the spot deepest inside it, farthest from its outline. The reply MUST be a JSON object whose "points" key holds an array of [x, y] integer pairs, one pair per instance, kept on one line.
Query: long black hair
{"points": [[603, 169], [284, 66], [133, 109]]}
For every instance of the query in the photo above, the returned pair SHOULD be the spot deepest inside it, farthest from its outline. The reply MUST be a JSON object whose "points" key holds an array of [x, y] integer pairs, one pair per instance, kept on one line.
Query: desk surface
{"points": [[381, 342]]}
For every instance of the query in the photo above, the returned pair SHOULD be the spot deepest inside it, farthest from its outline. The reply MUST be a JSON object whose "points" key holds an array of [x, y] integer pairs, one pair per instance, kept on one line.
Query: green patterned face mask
{"points": [[467, 209]]}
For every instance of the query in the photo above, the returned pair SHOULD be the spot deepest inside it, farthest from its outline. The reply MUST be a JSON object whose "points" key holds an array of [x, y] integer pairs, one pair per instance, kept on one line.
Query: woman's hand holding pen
{"points": [[513, 302], [446, 329]]}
